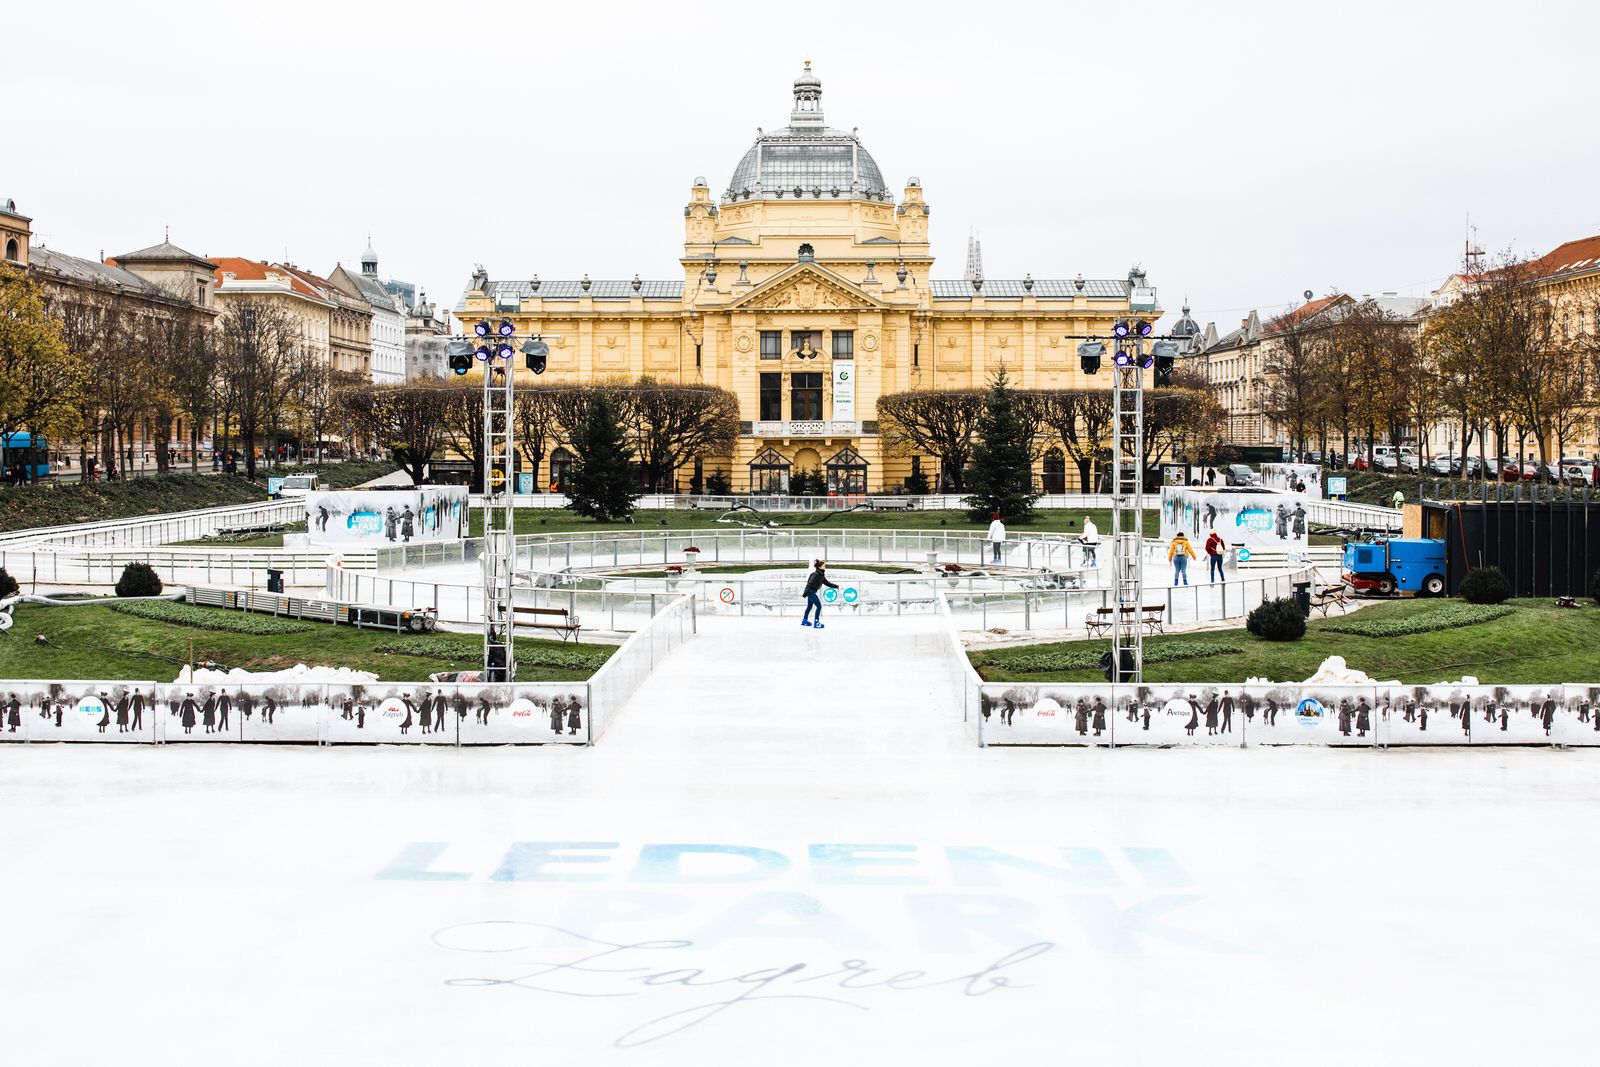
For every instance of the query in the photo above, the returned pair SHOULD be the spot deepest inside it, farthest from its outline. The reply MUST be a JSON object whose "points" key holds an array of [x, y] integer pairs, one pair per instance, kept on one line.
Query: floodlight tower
{"points": [[1129, 363], [492, 346]]}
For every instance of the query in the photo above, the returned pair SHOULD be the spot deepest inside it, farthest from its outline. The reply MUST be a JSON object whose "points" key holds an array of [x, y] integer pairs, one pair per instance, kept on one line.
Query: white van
{"points": [[299, 484]]}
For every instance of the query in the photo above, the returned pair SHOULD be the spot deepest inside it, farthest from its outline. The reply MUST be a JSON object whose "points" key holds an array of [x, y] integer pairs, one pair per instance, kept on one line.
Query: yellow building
{"points": [[808, 291]]}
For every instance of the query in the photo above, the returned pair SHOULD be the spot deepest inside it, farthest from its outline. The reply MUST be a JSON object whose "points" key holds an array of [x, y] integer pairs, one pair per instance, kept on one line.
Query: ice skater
{"points": [[1211, 717], [1179, 556], [13, 713], [1194, 715], [224, 706], [122, 714], [814, 583], [996, 537], [1363, 718], [136, 710], [1226, 707], [574, 713], [1215, 547], [105, 718], [556, 715], [269, 708], [187, 711], [1099, 716]]}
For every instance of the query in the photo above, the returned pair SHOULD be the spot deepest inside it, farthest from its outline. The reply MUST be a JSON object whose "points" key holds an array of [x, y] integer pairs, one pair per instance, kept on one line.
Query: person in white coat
{"points": [[997, 536], [1090, 540]]}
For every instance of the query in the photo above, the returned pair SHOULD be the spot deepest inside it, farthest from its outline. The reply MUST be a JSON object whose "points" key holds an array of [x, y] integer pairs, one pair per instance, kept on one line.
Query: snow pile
{"points": [[298, 673], [1334, 671]]}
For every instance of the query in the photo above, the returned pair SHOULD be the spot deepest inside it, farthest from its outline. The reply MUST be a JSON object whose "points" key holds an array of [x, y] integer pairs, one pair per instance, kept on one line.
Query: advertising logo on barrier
{"points": [[273, 485], [365, 522], [392, 710], [91, 705], [523, 712], [1310, 712], [1258, 519], [1048, 712]]}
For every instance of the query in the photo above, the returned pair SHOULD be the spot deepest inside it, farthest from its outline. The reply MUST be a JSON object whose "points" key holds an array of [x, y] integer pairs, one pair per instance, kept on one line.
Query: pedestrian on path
{"points": [[1090, 540], [1399, 500], [814, 583], [1179, 556], [997, 535], [1215, 547]]}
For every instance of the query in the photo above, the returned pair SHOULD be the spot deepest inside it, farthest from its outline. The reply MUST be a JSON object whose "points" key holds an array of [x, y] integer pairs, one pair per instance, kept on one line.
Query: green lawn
{"points": [[98, 643], [1539, 643], [531, 521]]}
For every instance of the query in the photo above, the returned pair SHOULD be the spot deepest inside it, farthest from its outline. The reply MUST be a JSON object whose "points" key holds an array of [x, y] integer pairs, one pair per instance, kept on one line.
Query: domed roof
{"points": [[1186, 327], [807, 159]]}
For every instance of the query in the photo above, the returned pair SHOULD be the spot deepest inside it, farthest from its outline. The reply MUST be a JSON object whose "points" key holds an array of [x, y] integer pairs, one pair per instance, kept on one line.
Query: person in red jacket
{"points": [[1215, 547]]}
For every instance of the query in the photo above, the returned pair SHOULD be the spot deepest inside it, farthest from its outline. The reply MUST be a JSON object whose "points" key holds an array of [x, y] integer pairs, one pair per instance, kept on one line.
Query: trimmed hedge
{"points": [[459, 648], [139, 579], [1089, 659], [1446, 617], [1485, 585], [1277, 620], [233, 622]]}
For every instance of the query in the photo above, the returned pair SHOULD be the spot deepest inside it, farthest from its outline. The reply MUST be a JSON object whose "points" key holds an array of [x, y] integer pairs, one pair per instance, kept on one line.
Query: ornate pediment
{"points": [[807, 287]]}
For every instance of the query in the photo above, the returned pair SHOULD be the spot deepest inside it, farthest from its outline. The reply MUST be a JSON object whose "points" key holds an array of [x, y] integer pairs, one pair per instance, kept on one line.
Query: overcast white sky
{"points": [[1241, 152]]}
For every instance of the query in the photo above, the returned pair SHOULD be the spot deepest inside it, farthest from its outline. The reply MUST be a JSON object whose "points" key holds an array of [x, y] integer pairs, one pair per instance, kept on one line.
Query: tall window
{"points": [[771, 344], [805, 396], [11, 250], [771, 397], [844, 344]]}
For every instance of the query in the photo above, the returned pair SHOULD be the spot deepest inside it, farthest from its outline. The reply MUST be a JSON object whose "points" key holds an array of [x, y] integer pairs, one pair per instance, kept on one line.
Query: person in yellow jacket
{"points": [[1179, 556]]}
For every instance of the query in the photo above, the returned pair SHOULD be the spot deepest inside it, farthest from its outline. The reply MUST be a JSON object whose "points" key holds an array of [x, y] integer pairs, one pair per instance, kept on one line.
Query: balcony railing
{"points": [[807, 428]]}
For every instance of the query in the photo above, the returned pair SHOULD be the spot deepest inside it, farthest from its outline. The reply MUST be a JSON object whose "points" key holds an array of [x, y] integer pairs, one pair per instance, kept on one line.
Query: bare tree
{"points": [[408, 419], [932, 422], [259, 350], [672, 424]]}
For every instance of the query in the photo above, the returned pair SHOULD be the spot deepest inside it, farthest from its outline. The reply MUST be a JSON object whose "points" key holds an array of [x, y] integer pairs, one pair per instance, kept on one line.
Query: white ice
{"points": [[291, 905]]}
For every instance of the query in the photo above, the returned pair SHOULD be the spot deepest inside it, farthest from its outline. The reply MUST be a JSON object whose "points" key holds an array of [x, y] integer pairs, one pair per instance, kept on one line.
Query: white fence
{"points": [[161, 529], [418, 713], [626, 670], [1189, 715]]}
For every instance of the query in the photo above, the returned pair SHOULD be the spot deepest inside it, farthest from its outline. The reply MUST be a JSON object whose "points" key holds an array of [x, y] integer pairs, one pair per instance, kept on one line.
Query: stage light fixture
{"points": [[1143, 328], [504, 350], [1089, 353], [1119, 328], [483, 354], [1166, 357], [535, 354], [481, 329], [459, 356], [506, 329], [1146, 360], [1123, 358]]}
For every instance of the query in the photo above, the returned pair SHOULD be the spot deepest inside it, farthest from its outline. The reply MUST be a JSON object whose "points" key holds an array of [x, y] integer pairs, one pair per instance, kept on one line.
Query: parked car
{"points": [[1410, 461], [1240, 474], [1582, 473], [1445, 466], [1386, 464], [1358, 463]]}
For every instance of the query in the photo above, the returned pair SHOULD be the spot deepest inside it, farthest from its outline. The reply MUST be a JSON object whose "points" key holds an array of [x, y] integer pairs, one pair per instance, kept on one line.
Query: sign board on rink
{"points": [[1290, 713], [532, 713], [1303, 478], [376, 518], [1253, 519]]}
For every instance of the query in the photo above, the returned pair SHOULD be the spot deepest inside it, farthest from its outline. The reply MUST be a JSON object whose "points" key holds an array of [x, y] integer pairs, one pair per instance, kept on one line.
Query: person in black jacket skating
{"points": [[815, 582]]}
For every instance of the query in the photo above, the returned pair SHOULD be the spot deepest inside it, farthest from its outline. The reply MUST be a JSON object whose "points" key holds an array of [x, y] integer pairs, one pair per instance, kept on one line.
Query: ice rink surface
{"points": [[788, 851]]}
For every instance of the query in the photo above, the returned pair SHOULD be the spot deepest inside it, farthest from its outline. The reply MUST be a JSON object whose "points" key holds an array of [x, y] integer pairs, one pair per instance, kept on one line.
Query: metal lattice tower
{"points": [[1127, 515], [499, 530]]}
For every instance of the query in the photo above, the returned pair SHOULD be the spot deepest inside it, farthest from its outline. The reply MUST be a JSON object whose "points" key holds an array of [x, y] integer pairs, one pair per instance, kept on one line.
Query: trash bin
{"points": [[1302, 597], [274, 580]]}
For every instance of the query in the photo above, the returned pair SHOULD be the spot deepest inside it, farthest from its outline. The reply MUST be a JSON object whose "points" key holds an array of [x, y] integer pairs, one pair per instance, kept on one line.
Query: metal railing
{"points": [[615, 682]]}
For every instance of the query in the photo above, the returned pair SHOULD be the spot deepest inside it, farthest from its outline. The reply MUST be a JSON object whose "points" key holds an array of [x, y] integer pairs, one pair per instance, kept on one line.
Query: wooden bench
{"points": [[559, 619], [1330, 596], [890, 503], [1152, 617]]}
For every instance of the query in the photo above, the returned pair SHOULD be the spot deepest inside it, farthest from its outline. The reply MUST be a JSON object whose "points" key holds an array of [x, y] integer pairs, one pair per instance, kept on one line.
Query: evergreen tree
{"points": [[1002, 457], [601, 484]]}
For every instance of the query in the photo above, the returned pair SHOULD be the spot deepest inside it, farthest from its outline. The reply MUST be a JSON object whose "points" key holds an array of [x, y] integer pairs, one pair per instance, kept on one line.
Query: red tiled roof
{"points": [[1581, 255], [249, 270], [1308, 310]]}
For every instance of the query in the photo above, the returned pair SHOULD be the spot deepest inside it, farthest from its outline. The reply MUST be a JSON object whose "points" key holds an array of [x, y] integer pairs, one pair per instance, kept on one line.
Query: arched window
{"points": [[1054, 478], [11, 250], [560, 468]]}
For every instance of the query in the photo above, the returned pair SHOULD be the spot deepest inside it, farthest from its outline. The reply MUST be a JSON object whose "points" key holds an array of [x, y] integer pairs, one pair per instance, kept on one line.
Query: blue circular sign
{"points": [[851, 595], [1244, 555], [830, 595]]}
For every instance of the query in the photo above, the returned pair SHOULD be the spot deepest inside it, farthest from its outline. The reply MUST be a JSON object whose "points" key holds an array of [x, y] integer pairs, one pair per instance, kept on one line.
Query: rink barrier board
{"points": [[307, 713], [1173, 714]]}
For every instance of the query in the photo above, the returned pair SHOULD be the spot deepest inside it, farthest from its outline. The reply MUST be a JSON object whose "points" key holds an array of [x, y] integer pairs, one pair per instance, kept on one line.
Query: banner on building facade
{"points": [[375, 518], [844, 390], [1255, 519]]}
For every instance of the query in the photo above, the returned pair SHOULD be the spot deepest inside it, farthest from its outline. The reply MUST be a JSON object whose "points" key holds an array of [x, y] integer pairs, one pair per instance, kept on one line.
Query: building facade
{"points": [[388, 322], [305, 304], [807, 290], [426, 338]]}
